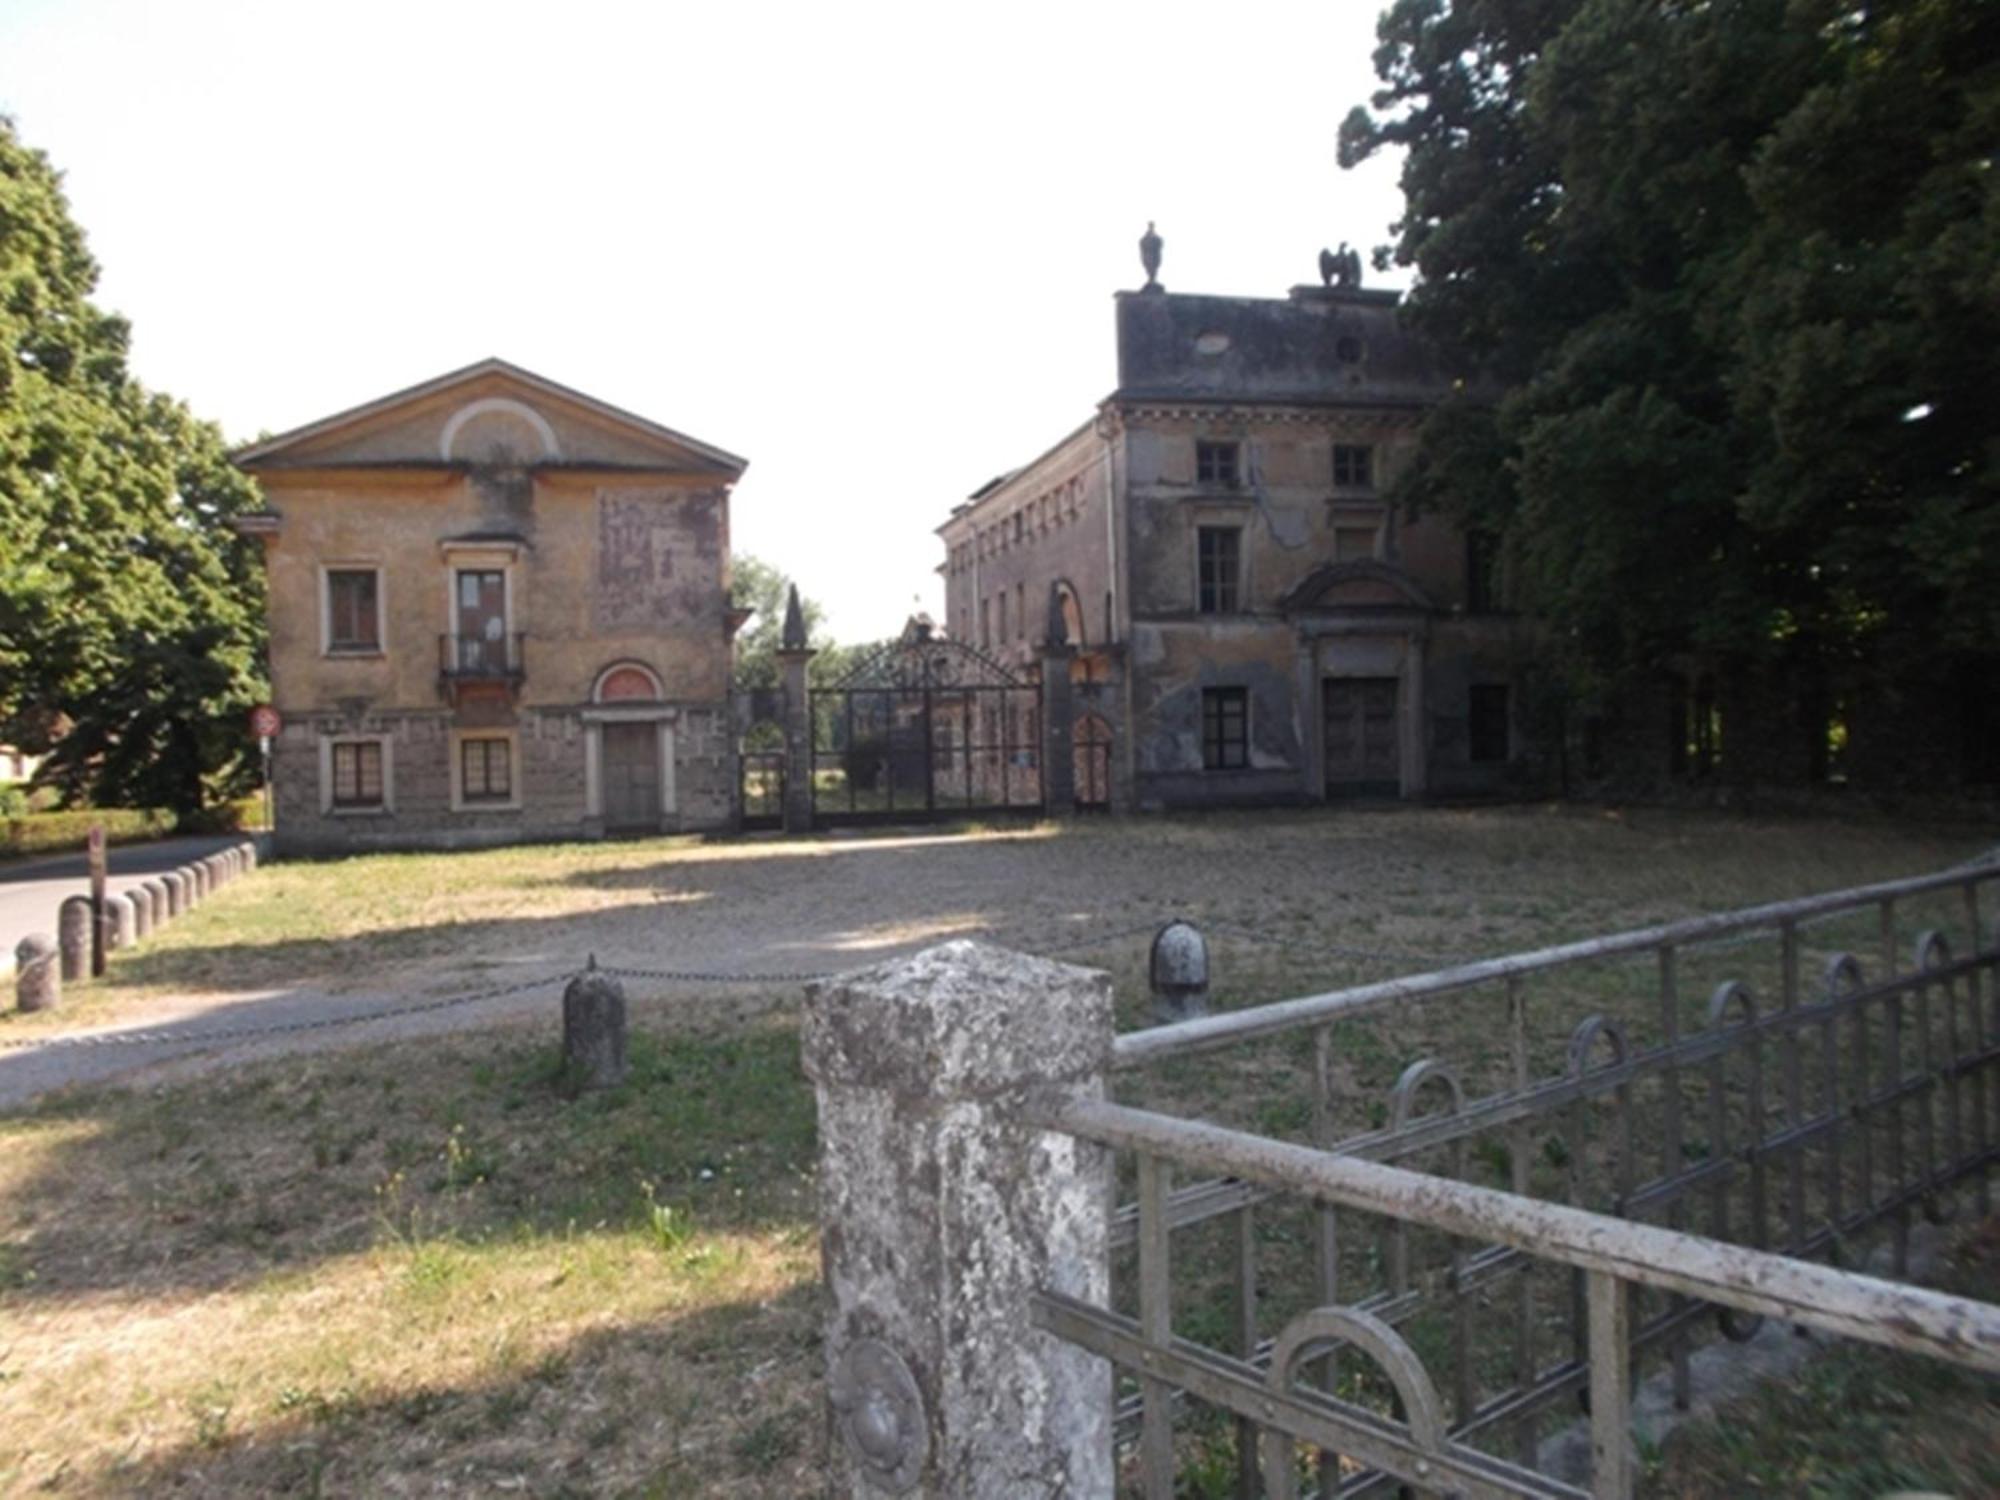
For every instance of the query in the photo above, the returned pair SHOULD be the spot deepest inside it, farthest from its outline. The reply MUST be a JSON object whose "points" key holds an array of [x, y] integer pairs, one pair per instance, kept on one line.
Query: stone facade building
{"points": [[499, 610], [1247, 620]]}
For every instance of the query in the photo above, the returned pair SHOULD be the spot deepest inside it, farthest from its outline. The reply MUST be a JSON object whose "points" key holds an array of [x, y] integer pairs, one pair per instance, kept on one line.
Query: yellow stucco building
{"points": [[499, 610]]}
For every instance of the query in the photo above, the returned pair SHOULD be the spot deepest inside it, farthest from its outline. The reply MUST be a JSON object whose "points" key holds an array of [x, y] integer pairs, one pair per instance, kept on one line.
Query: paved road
{"points": [[31, 890]]}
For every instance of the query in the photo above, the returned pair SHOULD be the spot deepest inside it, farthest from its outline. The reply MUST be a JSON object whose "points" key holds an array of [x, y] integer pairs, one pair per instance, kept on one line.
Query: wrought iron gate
{"points": [[925, 728]]}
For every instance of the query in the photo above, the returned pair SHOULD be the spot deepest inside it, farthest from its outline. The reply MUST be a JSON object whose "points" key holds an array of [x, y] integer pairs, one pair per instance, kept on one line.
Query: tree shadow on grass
{"points": [[724, 1401], [229, 1179]]}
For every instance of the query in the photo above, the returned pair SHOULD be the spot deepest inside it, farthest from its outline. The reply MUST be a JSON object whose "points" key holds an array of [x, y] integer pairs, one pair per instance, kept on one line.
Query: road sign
{"points": [[264, 721]]}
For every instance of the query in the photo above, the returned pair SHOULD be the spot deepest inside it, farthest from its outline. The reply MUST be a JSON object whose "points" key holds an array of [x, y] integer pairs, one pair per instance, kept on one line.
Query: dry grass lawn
{"points": [[422, 1269]]}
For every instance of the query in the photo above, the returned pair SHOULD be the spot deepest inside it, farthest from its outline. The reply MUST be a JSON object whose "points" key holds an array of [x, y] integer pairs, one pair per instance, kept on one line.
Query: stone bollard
{"points": [[941, 1213], [73, 932], [142, 913], [119, 926], [198, 875], [1179, 973], [594, 1031], [249, 848], [156, 892], [177, 895], [37, 973]]}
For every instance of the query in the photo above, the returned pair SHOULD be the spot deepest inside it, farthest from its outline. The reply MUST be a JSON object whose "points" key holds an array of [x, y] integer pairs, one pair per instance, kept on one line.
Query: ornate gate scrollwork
{"points": [[926, 728]]}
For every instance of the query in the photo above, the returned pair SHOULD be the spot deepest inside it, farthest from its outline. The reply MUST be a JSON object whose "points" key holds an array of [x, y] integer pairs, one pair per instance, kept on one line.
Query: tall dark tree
{"points": [[131, 618], [1732, 271]]}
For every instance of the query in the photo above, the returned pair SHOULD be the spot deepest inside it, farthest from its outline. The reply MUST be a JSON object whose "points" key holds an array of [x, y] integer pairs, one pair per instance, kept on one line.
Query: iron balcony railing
{"points": [[478, 658]]}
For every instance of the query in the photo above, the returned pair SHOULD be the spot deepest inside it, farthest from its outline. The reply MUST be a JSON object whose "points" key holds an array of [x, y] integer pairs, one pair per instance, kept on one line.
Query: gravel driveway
{"points": [[1412, 887]]}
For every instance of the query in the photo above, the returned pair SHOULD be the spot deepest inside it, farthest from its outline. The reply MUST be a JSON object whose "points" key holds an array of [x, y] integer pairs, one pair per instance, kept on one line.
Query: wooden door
{"points": [[1364, 749], [632, 778], [482, 620]]}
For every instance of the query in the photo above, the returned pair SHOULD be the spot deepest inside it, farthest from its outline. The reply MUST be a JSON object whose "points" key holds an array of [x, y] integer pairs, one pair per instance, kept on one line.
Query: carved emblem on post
{"points": [[881, 1414]]}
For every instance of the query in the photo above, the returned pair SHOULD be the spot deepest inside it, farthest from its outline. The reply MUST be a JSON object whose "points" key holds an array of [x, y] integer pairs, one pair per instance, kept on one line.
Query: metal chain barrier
{"points": [[163, 1036]]}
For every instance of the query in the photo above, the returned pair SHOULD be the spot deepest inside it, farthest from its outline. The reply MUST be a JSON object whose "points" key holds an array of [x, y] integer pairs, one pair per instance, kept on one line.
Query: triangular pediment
{"points": [[489, 414], [1365, 586]]}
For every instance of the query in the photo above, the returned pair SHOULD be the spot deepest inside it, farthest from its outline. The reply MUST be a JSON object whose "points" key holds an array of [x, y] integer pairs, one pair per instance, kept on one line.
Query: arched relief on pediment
{"points": [[497, 430], [1360, 585]]}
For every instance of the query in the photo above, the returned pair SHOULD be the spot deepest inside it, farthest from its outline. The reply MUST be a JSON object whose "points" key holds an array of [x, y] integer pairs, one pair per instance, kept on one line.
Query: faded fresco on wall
{"points": [[659, 560]]}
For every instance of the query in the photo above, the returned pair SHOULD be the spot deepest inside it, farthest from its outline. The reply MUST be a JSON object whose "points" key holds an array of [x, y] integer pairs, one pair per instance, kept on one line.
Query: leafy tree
{"points": [[131, 618], [1731, 271], [762, 588]]}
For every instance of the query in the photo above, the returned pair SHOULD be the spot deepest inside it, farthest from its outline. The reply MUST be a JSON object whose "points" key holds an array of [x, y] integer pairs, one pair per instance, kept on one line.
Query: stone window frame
{"points": [[1217, 595], [462, 803], [327, 645], [1210, 467], [1354, 467], [1220, 749], [331, 808], [1353, 519]]}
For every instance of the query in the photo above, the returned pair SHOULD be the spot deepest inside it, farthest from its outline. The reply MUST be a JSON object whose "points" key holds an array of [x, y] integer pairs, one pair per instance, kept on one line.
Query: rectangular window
{"points": [[1003, 617], [1225, 728], [1354, 543], [1353, 466], [353, 609], [1489, 734], [357, 774], [485, 771], [1021, 611], [1218, 567], [1215, 463], [985, 623]]}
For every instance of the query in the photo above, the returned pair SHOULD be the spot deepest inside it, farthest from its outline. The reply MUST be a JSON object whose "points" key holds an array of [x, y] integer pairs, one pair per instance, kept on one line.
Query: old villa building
{"points": [[499, 610], [1249, 621]]}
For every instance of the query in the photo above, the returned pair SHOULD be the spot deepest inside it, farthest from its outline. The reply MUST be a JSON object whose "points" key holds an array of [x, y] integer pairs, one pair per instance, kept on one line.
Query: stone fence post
{"points": [[37, 973], [940, 1213], [73, 922], [795, 655]]}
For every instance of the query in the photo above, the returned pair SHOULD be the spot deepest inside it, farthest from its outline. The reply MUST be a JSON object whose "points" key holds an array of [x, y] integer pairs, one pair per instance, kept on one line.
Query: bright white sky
{"points": [[869, 247]]}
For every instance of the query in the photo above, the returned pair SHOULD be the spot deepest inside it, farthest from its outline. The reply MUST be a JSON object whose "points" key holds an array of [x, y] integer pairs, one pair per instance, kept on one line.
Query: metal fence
{"points": [[1424, 1298]]}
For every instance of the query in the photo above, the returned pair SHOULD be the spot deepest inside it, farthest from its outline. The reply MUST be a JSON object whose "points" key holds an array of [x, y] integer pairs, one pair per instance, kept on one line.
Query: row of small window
{"points": [[485, 769], [1219, 462], [1064, 503], [1225, 726], [987, 635], [1219, 562]]}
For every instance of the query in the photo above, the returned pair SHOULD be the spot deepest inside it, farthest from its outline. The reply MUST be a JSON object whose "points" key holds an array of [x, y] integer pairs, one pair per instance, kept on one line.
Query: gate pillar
{"points": [[1058, 716], [793, 656], [942, 1212]]}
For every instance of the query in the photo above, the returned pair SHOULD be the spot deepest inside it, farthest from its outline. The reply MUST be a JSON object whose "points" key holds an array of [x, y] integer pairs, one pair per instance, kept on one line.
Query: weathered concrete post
{"points": [[794, 655], [177, 892], [73, 921], [1179, 972], [594, 1031], [142, 913], [37, 973], [940, 1213], [198, 876], [120, 927], [1058, 715], [156, 892]]}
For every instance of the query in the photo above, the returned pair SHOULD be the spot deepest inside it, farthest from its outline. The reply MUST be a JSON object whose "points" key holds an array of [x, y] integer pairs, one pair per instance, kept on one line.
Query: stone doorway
{"points": [[631, 778], [1363, 741]]}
